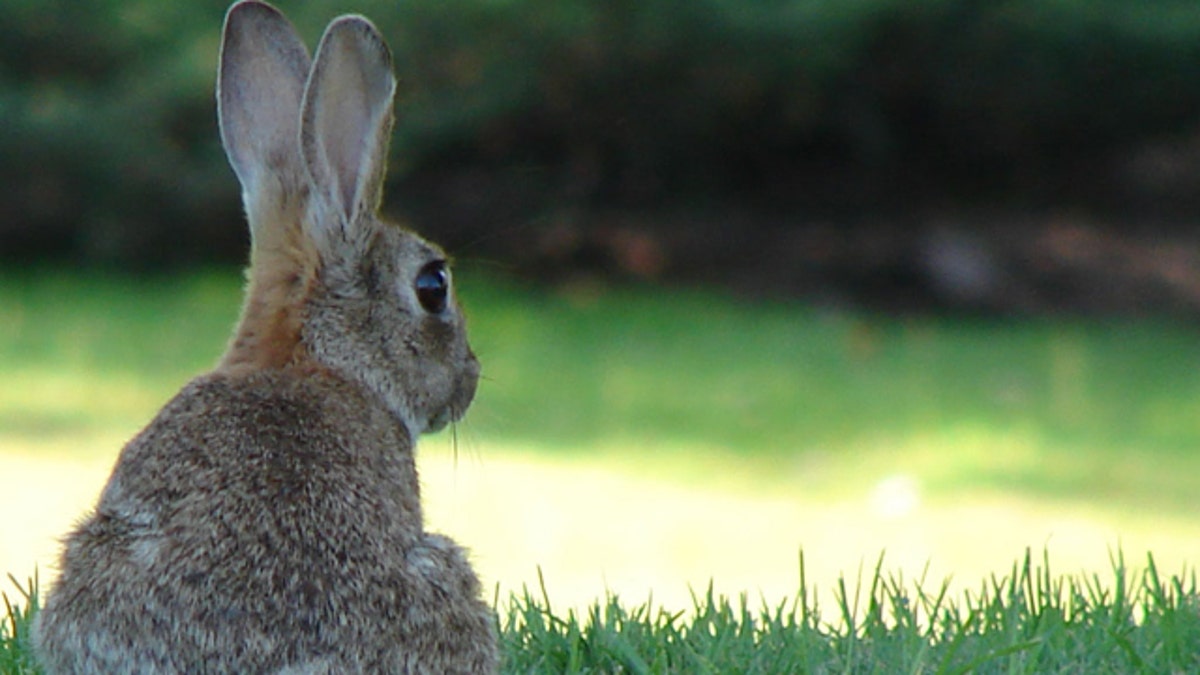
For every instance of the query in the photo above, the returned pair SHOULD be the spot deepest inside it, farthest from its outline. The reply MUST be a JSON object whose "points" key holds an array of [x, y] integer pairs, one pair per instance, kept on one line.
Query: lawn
{"points": [[640, 440], [1028, 621]]}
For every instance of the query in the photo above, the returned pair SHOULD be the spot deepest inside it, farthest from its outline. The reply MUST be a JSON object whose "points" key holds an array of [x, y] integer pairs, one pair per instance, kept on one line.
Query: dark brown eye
{"points": [[433, 286]]}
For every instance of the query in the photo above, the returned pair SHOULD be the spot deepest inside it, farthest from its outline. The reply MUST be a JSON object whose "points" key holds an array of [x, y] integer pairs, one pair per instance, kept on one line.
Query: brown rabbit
{"points": [[268, 520]]}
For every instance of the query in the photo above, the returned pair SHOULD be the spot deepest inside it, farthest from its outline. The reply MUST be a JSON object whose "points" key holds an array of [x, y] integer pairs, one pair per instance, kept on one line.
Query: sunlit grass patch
{"points": [[39, 403], [83, 353], [565, 369], [777, 377]]}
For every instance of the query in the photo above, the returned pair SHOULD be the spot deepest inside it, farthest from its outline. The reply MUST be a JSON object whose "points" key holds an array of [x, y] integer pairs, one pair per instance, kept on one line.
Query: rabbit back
{"points": [[246, 530]]}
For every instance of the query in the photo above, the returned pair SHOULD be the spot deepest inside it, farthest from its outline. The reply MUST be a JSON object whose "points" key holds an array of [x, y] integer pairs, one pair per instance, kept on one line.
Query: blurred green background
{"points": [[745, 276], [1014, 154]]}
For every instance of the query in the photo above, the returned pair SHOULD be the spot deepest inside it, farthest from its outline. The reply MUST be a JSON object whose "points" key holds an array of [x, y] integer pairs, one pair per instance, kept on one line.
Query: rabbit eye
{"points": [[433, 286]]}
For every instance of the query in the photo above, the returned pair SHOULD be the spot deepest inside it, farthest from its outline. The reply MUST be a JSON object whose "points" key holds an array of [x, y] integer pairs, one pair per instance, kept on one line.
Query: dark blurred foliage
{"points": [[692, 138]]}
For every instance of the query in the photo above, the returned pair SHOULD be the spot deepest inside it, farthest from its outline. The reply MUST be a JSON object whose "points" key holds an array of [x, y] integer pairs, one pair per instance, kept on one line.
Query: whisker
{"points": [[509, 231], [490, 264]]}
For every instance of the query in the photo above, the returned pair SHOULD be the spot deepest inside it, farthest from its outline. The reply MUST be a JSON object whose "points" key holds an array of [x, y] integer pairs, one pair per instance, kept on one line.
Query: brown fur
{"points": [[268, 520], [268, 333]]}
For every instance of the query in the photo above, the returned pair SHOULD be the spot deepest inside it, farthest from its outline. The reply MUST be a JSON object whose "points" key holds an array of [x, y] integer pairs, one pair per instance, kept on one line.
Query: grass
{"points": [[1029, 621], [717, 401], [766, 381], [16, 654], [1059, 407]]}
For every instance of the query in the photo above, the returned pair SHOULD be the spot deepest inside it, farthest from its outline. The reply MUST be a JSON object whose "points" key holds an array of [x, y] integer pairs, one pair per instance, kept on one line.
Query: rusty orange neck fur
{"points": [[268, 334]]}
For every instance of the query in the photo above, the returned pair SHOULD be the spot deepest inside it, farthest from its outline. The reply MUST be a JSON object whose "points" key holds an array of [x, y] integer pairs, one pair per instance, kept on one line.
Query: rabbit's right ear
{"points": [[260, 84]]}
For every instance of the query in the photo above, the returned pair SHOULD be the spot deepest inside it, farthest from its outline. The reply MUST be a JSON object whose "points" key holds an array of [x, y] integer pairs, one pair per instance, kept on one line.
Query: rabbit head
{"points": [[330, 284]]}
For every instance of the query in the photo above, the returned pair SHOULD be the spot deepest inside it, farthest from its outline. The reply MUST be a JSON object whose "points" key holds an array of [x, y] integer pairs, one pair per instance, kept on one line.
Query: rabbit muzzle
{"points": [[460, 398]]}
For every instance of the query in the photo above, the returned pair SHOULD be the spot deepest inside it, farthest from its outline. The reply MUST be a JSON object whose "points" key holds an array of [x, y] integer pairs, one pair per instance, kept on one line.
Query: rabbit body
{"points": [[268, 520], [263, 522]]}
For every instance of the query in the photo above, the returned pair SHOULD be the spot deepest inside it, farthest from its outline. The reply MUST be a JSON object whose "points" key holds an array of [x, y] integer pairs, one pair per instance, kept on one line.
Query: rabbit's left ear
{"points": [[345, 124], [260, 83]]}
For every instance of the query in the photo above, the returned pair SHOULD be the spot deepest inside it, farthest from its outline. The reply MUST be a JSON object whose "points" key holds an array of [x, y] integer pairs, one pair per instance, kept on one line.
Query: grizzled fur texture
{"points": [[268, 520]]}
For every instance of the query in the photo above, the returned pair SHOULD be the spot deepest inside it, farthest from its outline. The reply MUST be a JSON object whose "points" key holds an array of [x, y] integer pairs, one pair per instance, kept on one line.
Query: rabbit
{"points": [[268, 519]]}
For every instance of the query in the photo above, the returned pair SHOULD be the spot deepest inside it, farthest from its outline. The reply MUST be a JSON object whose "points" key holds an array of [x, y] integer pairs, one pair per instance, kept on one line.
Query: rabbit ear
{"points": [[260, 83], [346, 120]]}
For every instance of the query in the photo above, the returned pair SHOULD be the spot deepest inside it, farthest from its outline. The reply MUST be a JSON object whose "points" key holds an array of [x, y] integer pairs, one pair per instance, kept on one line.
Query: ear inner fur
{"points": [[260, 81], [345, 123]]}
